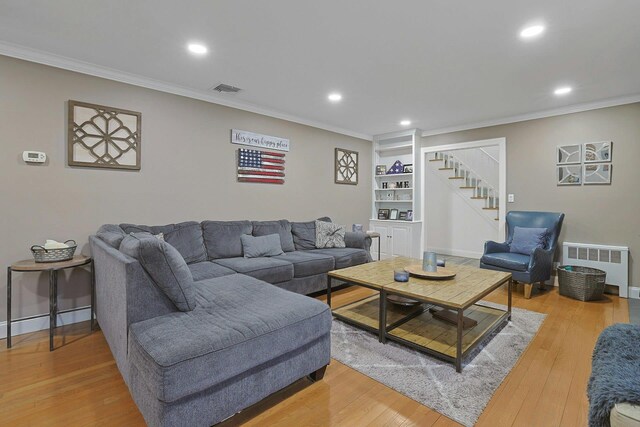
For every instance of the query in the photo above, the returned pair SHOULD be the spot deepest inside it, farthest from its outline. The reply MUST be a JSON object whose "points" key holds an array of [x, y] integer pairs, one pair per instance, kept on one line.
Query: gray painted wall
{"points": [[188, 172], [608, 214]]}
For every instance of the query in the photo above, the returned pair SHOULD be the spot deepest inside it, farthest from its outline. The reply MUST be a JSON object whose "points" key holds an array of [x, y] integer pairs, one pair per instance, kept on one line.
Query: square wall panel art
{"points": [[595, 173], [596, 152], [569, 175], [103, 137], [569, 154]]}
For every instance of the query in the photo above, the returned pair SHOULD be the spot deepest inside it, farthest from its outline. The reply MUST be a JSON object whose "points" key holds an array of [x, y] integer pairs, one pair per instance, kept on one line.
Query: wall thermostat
{"points": [[34, 156]]}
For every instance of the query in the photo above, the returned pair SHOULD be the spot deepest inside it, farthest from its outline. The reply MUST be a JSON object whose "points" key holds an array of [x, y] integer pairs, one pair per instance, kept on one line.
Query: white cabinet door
{"points": [[400, 240], [384, 241]]}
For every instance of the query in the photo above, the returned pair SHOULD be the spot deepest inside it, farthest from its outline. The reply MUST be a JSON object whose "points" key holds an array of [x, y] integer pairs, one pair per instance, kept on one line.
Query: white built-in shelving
{"points": [[398, 237]]}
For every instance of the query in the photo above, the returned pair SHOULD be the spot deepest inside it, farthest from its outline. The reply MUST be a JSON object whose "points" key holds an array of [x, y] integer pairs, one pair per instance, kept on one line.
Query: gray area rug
{"points": [[432, 382]]}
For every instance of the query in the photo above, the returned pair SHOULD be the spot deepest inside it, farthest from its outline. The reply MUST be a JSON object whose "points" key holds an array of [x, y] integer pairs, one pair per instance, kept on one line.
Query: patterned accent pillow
{"points": [[329, 235]]}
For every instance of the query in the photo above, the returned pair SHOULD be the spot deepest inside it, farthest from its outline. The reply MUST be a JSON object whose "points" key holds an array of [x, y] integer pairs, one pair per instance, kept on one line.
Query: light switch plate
{"points": [[511, 198]]}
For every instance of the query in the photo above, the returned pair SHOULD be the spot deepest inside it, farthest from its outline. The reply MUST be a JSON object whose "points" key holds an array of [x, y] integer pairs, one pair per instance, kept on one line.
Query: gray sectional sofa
{"points": [[249, 330]]}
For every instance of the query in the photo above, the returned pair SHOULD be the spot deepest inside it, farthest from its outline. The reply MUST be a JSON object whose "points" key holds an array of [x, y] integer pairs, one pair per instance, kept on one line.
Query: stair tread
{"points": [[468, 188], [436, 160], [490, 209], [445, 169], [480, 197], [456, 177]]}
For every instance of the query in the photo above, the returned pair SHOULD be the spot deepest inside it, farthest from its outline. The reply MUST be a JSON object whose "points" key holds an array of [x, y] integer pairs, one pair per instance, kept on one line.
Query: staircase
{"points": [[478, 188]]}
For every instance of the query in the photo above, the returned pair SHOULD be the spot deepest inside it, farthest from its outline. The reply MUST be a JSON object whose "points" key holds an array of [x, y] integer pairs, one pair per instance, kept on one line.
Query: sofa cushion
{"points": [[304, 235], [525, 240], [270, 270], [111, 234], [186, 237], [308, 264], [344, 257], [222, 238], [507, 260], [240, 324], [281, 227], [329, 235], [165, 265], [261, 246], [208, 270]]}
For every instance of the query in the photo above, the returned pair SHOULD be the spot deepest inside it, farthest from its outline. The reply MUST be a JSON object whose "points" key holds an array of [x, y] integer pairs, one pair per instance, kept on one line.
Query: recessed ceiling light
{"points": [[562, 90], [532, 31], [197, 48], [334, 97], [405, 122]]}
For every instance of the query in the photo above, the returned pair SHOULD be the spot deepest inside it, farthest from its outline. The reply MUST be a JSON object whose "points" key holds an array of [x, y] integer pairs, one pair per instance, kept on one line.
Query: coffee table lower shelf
{"points": [[415, 327]]}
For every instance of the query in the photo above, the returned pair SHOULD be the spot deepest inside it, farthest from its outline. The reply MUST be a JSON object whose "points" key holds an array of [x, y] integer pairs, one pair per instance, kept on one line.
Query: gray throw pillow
{"points": [[261, 246], [525, 240], [165, 265], [329, 235]]}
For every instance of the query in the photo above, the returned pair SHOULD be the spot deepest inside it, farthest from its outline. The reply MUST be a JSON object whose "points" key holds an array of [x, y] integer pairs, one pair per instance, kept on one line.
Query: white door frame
{"points": [[501, 143]]}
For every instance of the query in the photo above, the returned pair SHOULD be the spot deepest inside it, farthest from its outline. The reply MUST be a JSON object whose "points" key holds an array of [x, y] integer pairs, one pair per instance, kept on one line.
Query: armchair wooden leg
{"points": [[318, 375], [542, 286], [527, 290]]}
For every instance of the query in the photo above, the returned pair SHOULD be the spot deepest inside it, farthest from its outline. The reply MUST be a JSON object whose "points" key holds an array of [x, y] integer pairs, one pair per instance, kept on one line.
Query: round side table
{"points": [[29, 265]]}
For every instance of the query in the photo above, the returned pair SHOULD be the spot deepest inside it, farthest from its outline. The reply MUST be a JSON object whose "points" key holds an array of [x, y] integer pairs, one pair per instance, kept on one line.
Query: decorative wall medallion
{"points": [[346, 166], [569, 175], [596, 152], [103, 137], [569, 154], [595, 173]]}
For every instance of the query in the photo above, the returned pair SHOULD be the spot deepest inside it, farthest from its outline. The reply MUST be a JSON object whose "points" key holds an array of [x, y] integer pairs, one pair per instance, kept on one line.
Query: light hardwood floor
{"points": [[79, 384]]}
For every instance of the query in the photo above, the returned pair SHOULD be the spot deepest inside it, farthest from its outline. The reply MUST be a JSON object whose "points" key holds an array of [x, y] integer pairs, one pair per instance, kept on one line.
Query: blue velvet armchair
{"points": [[528, 269]]}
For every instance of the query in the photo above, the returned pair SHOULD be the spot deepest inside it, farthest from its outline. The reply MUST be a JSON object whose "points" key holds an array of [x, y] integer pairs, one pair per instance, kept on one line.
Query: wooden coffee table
{"points": [[415, 326]]}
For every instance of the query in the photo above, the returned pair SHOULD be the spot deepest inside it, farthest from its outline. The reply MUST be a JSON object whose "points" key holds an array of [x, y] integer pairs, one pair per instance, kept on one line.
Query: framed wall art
{"points": [[346, 166], [598, 152], [569, 154], [569, 175], [103, 137], [597, 173]]}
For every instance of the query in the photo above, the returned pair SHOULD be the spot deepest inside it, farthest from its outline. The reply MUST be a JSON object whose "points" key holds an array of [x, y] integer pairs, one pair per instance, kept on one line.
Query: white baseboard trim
{"points": [[456, 252], [19, 327], [634, 292]]}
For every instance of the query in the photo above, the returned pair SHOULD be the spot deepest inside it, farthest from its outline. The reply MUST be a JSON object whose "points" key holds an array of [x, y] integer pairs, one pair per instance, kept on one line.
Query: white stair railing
{"points": [[480, 188]]}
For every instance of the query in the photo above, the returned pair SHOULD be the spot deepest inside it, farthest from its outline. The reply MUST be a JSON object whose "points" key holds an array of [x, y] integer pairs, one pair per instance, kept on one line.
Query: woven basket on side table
{"points": [[581, 283]]}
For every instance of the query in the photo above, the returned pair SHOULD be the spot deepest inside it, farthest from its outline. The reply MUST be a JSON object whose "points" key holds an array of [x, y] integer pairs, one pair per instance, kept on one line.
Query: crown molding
{"points": [[569, 109], [66, 63]]}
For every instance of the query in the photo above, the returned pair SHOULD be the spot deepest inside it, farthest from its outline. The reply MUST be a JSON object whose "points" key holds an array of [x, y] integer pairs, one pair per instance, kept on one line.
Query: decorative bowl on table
{"points": [[54, 254]]}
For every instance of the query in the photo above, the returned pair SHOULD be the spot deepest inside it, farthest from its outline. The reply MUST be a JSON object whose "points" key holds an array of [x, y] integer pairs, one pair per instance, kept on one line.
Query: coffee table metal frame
{"points": [[383, 329]]}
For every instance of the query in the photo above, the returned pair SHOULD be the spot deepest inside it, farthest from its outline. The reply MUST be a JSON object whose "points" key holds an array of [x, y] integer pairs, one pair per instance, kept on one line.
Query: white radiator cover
{"points": [[612, 259]]}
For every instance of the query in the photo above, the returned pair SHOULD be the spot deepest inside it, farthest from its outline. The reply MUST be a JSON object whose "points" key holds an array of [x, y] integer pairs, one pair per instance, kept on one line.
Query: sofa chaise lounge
{"points": [[249, 331]]}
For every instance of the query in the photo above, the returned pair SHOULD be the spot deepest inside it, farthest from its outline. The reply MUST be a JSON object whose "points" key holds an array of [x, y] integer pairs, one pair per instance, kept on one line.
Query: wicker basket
{"points": [[40, 254], [581, 283]]}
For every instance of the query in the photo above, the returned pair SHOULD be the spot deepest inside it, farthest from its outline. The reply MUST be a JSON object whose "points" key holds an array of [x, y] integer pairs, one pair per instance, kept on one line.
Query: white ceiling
{"points": [[442, 64]]}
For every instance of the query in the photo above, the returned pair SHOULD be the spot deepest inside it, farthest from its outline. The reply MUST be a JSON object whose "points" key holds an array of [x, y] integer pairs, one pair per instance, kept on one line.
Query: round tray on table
{"points": [[442, 273]]}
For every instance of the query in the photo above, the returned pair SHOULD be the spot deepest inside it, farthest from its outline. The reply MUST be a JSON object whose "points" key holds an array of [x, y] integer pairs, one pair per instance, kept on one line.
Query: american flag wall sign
{"points": [[260, 166]]}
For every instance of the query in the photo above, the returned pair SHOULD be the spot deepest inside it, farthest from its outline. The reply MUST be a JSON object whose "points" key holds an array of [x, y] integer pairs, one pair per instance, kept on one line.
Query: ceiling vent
{"points": [[226, 88]]}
